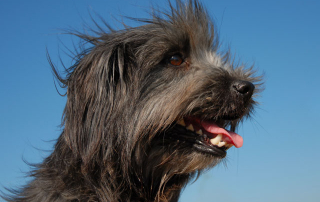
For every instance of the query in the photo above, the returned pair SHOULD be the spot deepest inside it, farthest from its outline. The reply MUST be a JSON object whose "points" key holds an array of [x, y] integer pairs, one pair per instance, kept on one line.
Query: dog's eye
{"points": [[176, 60]]}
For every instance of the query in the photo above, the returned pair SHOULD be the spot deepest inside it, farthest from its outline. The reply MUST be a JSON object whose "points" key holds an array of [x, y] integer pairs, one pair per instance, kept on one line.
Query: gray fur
{"points": [[120, 141]]}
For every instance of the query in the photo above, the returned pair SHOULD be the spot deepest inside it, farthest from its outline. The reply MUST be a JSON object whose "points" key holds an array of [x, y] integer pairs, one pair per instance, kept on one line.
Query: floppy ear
{"points": [[96, 85]]}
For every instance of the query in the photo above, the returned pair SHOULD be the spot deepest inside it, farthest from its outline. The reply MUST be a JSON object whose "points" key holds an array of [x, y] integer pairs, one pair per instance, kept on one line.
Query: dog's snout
{"points": [[244, 88]]}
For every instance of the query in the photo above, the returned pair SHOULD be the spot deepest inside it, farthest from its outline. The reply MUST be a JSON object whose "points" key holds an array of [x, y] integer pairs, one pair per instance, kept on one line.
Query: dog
{"points": [[148, 109]]}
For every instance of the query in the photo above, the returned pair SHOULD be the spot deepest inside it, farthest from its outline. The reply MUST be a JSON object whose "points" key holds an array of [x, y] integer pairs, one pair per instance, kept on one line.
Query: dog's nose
{"points": [[243, 88]]}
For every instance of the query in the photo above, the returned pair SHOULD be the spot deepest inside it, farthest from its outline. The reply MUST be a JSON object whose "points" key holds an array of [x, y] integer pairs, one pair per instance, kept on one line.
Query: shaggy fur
{"points": [[120, 140]]}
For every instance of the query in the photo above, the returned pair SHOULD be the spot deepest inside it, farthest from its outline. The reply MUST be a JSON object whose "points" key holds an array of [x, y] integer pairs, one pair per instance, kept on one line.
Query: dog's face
{"points": [[160, 97], [189, 92], [170, 85], [175, 99], [199, 93]]}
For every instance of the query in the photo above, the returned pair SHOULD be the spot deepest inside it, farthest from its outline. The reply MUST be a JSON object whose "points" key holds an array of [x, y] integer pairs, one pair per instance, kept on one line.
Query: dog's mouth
{"points": [[207, 136]]}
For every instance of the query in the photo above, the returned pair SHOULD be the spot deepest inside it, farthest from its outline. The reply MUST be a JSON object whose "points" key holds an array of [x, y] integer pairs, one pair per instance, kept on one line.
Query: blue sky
{"points": [[280, 160]]}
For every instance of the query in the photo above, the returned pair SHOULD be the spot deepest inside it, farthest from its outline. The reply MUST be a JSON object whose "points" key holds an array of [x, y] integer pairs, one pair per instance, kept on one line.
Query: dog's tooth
{"points": [[221, 144], [216, 140], [190, 127], [181, 122], [199, 132]]}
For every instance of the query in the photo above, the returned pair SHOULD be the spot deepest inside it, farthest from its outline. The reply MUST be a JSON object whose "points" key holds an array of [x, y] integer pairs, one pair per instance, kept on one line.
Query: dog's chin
{"points": [[207, 137]]}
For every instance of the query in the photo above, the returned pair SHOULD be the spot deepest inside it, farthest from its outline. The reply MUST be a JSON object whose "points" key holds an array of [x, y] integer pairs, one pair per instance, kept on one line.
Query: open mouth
{"points": [[208, 137]]}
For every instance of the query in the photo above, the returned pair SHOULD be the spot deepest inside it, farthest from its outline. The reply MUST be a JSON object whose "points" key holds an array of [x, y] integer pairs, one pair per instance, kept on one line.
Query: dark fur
{"points": [[120, 141]]}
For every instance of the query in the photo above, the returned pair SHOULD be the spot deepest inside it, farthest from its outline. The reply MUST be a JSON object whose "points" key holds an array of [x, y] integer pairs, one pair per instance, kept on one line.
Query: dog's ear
{"points": [[97, 85]]}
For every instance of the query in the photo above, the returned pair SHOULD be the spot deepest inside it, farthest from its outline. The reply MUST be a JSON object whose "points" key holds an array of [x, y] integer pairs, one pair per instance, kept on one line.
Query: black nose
{"points": [[243, 88]]}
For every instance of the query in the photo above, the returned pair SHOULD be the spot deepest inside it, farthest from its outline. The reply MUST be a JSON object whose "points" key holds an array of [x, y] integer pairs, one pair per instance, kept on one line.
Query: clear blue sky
{"points": [[280, 159]]}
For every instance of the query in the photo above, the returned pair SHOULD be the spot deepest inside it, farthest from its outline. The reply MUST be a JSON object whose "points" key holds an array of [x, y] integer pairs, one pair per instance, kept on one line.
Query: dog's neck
{"points": [[140, 183]]}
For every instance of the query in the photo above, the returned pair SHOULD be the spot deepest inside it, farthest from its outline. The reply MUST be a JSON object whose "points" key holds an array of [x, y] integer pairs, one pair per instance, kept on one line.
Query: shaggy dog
{"points": [[148, 109]]}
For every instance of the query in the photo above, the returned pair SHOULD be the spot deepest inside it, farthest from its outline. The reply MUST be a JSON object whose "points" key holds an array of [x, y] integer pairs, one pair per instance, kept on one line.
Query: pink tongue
{"points": [[236, 139]]}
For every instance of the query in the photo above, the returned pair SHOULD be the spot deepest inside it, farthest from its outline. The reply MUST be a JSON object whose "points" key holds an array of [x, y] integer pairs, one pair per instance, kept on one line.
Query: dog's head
{"points": [[157, 101]]}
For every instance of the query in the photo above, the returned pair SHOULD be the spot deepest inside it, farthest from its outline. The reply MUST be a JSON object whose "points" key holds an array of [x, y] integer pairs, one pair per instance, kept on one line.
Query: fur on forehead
{"points": [[185, 28]]}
